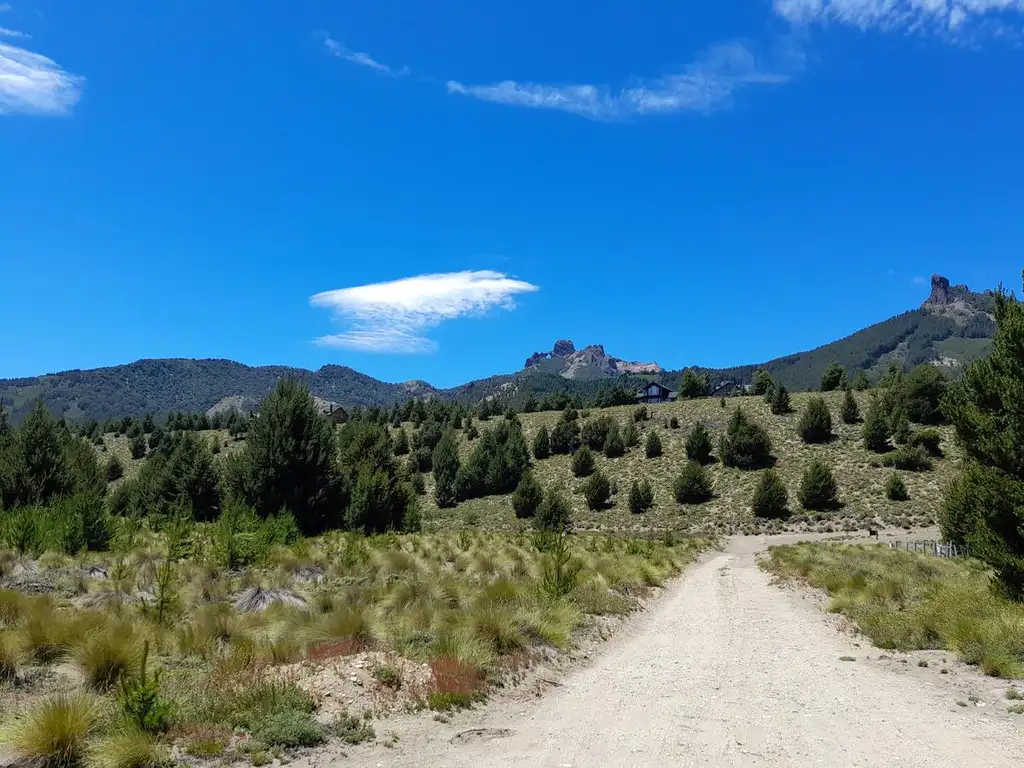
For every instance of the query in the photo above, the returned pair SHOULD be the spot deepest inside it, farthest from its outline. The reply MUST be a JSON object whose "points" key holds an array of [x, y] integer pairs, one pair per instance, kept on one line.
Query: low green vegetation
{"points": [[906, 601]]}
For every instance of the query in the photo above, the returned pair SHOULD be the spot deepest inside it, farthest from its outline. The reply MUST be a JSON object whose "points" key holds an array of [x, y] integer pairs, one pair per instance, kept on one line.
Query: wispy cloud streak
{"points": [[362, 59], [30, 83], [951, 18]]}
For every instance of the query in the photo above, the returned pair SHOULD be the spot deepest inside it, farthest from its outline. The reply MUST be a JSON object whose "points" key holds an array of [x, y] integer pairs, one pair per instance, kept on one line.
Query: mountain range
{"points": [[950, 329]]}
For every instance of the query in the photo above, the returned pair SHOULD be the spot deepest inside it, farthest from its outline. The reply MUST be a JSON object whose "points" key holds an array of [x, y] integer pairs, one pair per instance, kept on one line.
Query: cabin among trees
{"points": [[335, 414], [653, 392]]}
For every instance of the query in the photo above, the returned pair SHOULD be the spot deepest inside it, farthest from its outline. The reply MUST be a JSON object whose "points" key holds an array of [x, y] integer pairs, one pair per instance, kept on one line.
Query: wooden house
{"points": [[653, 392]]}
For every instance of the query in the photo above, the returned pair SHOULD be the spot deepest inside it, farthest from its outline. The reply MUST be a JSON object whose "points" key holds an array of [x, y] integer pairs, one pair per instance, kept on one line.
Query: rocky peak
{"points": [[563, 348], [943, 294]]}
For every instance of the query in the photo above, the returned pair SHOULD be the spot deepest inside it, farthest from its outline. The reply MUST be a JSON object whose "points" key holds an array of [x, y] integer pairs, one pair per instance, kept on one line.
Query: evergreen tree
{"points": [[653, 447], [530, 404], [833, 378], [818, 489], [43, 474], [565, 437], [290, 461], [815, 425], [597, 491], [984, 506], [115, 469], [745, 444], [446, 470], [370, 489], [595, 431], [693, 485], [554, 513], [541, 444], [641, 496], [850, 413], [614, 445], [876, 427], [899, 425], [630, 435], [401, 442], [496, 464], [5, 422], [694, 385], [771, 499], [895, 488], [528, 496], [763, 383], [698, 444], [583, 462], [861, 382], [138, 446], [780, 400], [925, 388]]}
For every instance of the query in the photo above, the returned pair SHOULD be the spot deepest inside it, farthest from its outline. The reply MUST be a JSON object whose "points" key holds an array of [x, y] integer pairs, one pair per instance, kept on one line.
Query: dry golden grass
{"points": [[861, 482]]}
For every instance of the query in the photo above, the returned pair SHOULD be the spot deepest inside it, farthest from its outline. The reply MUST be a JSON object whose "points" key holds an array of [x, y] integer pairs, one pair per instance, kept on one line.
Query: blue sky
{"points": [[706, 183]]}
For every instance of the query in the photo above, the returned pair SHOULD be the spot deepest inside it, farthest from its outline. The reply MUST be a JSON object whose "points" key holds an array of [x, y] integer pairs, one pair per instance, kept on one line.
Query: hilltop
{"points": [[950, 329]]}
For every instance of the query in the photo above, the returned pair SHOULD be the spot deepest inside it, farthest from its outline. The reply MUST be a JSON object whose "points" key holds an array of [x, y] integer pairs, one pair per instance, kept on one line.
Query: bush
{"points": [[815, 425], [653, 447], [833, 378], [527, 496], [351, 730], [641, 414], [818, 488], [565, 437], [861, 382], [771, 499], [554, 513], [673, 423], [54, 732], [496, 464], [876, 428], [138, 447], [583, 462], [925, 388], [541, 444], [779, 403], [929, 439], [446, 470], [597, 491], [419, 485], [115, 469], [698, 444], [899, 424], [763, 383], [693, 484], [641, 497], [910, 458], [849, 413], [595, 432], [694, 385], [614, 444], [401, 442], [288, 728], [630, 436], [745, 444], [895, 488]]}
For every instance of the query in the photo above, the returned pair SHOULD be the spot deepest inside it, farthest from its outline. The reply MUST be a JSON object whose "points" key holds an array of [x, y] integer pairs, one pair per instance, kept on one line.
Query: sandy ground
{"points": [[726, 669]]}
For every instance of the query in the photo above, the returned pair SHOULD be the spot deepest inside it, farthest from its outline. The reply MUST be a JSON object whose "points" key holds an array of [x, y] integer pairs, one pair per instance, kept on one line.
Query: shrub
{"points": [[780, 401], [54, 732], [818, 488], [698, 444], [673, 423], [899, 424], [565, 437], [771, 499], [115, 469], [910, 458], [849, 412], [10, 656], [876, 428], [694, 384], [497, 463], [140, 700], [446, 470], [554, 513], [527, 496], [288, 728], [925, 388], [594, 432], [653, 447], [745, 444], [597, 491], [815, 425], [388, 675], [641, 496], [630, 435], [861, 382], [693, 484], [929, 439], [419, 485], [895, 488], [401, 442], [641, 414], [833, 378], [763, 383], [351, 730], [138, 447], [614, 444], [541, 444], [583, 462]]}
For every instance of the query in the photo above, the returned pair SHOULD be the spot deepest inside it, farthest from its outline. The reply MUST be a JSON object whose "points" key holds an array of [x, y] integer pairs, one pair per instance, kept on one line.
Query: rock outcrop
{"points": [[590, 362], [943, 294]]}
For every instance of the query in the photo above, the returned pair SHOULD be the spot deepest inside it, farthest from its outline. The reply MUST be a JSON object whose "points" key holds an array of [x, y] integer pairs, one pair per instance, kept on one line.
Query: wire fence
{"points": [[934, 548]]}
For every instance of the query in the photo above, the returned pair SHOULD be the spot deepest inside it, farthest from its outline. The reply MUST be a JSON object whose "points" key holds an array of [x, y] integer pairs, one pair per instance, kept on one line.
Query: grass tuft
{"points": [[128, 748], [54, 732]]}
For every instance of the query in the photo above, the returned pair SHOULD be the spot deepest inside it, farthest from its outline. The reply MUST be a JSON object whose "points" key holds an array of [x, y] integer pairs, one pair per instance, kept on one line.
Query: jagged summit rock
{"points": [[591, 362], [563, 348]]}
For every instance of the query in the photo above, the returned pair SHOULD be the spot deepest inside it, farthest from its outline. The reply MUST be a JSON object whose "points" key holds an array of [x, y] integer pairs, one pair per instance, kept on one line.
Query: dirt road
{"points": [[726, 670]]}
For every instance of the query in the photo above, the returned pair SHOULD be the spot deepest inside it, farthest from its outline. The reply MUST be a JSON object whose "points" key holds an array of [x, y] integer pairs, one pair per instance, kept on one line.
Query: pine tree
{"points": [[771, 499], [653, 447], [641, 496], [630, 435], [833, 378], [876, 427], [745, 444], [42, 471], [115, 469], [984, 506], [554, 513], [541, 444], [527, 497], [698, 444], [597, 491], [138, 446], [850, 413], [694, 385], [763, 383], [818, 489], [401, 442], [583, 462], [815, 425], [693, 485], [565, 437], [861, 382], [446, 470], [780, 400], [614, 445], [895, 488]]}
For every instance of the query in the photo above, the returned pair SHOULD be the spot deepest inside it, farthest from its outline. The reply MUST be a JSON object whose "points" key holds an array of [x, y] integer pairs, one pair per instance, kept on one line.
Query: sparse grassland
{"points": [[859, 473], [906, 601], [106, 662]]}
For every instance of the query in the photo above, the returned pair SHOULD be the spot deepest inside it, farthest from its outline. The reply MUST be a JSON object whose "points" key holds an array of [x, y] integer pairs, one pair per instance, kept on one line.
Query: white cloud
{"points": [[393, 317], [33, 84], [5, 32], [704, 86], [948, 17], [363, 59]]}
